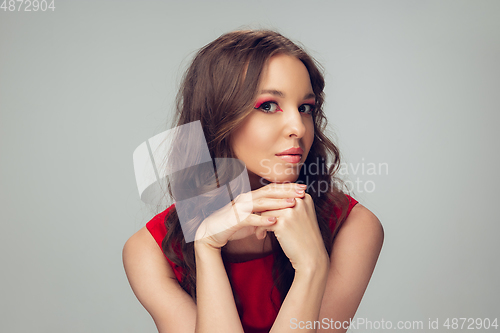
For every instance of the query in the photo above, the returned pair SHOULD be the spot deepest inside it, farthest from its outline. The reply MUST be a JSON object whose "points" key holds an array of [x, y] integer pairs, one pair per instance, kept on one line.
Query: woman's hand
{"points": [[298, 233], [241, 217]]}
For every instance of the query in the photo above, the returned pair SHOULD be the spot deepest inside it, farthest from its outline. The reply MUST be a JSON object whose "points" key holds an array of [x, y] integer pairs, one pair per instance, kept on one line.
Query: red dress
{"points": [[252, 280]]}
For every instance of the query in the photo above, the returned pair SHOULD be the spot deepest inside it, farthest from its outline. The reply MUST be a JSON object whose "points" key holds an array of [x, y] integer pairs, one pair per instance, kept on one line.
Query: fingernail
{"points": [[302, 185], [300, 191], [271, 219], [290, 200]]}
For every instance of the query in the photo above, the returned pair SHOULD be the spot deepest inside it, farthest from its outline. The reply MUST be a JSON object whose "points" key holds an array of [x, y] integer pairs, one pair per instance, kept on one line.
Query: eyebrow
{"points": [[281, 94]]}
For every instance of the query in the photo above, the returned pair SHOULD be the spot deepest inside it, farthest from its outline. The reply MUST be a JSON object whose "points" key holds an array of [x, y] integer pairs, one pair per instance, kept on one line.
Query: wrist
{"points": [[318, 266], [204, 249], [312, 280]]}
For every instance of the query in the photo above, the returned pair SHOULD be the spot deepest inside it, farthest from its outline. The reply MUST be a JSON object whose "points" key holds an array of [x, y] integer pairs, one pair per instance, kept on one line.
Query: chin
{"points": [[282, 179]]}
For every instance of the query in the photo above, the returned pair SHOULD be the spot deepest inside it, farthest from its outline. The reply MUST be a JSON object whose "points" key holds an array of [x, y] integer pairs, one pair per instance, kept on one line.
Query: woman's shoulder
{"points": [[363, 227], [140, 253], [158, 231], [152, 279], [150, 236], [360, 223], [352, 203], [147, 243], [347, 202], [156, 225]]}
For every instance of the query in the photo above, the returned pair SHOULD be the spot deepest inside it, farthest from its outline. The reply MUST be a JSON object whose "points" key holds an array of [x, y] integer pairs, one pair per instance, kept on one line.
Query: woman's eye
{"points": [[269, 107], [306, 108]]}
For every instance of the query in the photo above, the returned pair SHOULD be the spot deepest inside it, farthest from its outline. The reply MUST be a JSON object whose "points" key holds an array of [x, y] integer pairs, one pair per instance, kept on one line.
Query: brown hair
{"points": [[219, 90]]}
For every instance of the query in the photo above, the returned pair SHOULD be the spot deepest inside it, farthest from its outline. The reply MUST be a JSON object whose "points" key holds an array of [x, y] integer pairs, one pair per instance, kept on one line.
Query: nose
{"points": [[294, 123]]}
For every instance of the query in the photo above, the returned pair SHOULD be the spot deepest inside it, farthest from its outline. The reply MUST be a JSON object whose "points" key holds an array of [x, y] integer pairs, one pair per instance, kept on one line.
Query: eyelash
{"points": [[311, 110], [259, 107]]}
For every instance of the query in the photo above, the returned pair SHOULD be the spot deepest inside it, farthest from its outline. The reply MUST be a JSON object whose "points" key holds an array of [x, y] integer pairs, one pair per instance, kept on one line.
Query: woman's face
{"points": [[281, 120]]}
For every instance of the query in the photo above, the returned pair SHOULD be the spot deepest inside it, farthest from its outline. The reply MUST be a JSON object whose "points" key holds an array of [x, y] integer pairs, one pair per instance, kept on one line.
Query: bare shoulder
{"points": [[364, 226], [154, 283], [144, 264], [139, 244], [354, 255], [142, 252], [361, 237]]}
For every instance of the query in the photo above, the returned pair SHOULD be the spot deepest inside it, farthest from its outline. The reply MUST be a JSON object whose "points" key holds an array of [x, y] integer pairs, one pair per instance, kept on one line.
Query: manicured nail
{"points": [[271, 219], [301, 185], [290, 200], [300, 191]]}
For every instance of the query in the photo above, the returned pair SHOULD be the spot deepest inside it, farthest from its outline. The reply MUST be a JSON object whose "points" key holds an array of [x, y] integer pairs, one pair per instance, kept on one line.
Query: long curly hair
{"points": [[219, 89]]}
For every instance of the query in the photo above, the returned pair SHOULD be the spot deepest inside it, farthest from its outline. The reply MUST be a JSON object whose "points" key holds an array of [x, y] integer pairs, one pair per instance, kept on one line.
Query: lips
{"points": [[292, 151], [292, 155]]}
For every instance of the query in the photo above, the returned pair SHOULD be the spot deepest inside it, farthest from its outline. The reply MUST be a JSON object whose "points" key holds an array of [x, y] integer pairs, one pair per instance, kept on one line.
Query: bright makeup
{"points": [[264, 100]]}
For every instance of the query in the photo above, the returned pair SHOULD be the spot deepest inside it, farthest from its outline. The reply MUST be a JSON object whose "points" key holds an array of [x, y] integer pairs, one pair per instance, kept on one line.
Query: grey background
{"points": [[413, 84]]}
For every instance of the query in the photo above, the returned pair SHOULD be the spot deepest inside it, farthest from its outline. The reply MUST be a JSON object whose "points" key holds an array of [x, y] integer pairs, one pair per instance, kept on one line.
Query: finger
{"points": [[286, 190], [258, 221], [265, 204], [262, 199], [261, 232]]}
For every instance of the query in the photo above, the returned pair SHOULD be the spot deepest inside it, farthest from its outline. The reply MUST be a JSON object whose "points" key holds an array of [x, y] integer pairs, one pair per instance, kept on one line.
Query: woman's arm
{"points": [[299, 236], [303, 301], [216, 307], [354, 254], [155, 285], [333, 290], [172, 309]]}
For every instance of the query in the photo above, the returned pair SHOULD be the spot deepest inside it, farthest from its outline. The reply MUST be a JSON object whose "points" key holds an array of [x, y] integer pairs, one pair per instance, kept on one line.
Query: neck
{"points": [[256, 181]]}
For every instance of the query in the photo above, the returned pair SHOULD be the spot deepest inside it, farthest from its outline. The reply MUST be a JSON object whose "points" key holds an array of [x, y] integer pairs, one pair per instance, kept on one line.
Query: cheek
{"points": [[310, 134], [259, 134], [250, 138]]}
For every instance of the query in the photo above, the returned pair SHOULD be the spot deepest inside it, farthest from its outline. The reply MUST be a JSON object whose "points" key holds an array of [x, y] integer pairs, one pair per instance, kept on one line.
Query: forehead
{"points": [[285, 72]]}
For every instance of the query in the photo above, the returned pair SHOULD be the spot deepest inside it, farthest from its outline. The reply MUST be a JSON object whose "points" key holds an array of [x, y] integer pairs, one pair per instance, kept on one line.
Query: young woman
{"points": [[304, 257]]}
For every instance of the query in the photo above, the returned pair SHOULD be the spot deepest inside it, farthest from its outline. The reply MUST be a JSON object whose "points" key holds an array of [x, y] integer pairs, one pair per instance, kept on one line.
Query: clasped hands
{"points": [[284, 209]]}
